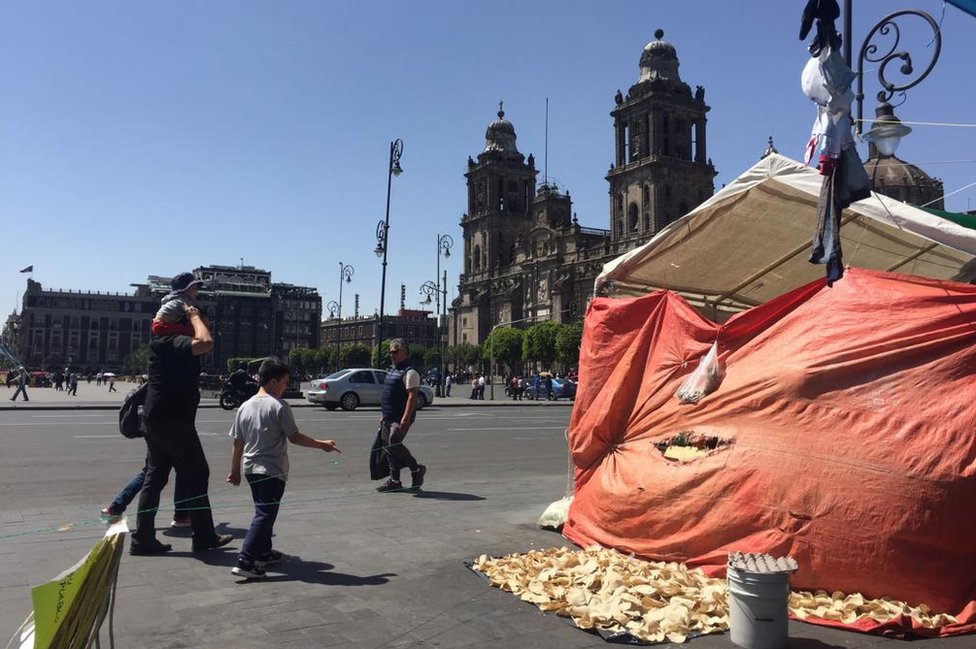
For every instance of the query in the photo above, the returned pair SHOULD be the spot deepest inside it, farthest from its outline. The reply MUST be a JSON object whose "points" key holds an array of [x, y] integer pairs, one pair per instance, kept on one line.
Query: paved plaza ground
{"points": [[366, 569]]}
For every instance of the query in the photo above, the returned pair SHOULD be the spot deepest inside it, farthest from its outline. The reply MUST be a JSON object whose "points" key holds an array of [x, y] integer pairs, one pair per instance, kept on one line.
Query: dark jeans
{"points": [[397, 454], [174, 445], [267, 493], [131, 490], [21, 389]]}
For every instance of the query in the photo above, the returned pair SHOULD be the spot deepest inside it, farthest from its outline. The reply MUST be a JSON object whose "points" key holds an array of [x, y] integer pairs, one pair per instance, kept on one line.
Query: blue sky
{"points": [[142, 138]]}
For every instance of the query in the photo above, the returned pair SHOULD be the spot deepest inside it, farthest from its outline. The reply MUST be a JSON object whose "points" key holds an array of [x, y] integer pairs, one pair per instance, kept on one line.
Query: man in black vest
{"points": [[399, 406], [171, 434]]}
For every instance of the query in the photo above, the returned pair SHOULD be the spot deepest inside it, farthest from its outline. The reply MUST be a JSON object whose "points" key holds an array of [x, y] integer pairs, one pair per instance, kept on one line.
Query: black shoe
{"points": [[248, 570], [390, 485], [149, 549], [417, 476], [218, 541]]}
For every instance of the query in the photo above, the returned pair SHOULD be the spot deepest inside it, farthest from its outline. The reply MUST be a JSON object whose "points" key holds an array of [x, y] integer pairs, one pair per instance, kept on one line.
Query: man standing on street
{"points": [[399, 406], [23, 378], [171, 435]]}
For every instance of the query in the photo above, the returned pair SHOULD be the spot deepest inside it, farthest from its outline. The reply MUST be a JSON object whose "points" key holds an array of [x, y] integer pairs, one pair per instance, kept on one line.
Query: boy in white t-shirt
{"points": [[261, 431]]}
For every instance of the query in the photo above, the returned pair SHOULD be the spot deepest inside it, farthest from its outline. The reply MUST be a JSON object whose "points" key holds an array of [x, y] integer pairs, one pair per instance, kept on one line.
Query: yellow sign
{"points": [[68, 609]]}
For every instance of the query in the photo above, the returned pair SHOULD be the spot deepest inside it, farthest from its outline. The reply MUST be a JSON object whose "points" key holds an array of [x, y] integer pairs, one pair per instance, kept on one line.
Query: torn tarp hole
{"points": [[688, 445]]}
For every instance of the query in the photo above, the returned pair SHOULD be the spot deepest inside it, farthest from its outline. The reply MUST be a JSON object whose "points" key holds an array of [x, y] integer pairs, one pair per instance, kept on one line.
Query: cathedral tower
{"points": [[661, 169]]}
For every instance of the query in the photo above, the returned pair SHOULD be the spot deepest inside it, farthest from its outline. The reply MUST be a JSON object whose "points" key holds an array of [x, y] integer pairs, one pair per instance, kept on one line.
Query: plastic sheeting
{"points": [[852, 429]]}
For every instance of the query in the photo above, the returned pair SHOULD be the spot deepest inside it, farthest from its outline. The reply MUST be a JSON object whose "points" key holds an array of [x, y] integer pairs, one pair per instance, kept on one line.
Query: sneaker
{"points": [[417, 477], [149, 549], [273, 557], [109, 515], [218, 541], [180, 522], [390, 485], [248, 570]]}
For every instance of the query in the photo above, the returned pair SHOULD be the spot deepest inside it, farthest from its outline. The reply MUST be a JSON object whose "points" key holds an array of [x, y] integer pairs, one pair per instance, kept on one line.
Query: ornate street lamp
{"points": [[887, 131], [444, 244], [383, 234], [345, 275]]}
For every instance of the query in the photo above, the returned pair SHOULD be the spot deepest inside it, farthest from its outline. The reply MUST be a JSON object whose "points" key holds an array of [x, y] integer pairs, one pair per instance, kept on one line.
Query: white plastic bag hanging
{"points": [[704, 380]]}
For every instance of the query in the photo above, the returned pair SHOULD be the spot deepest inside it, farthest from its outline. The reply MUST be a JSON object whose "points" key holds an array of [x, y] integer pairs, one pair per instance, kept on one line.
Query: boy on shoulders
{"points": [[261, 431]]}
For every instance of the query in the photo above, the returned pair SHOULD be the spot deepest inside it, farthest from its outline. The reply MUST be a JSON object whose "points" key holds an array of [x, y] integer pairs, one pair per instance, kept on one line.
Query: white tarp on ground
{"points": [[750, 242]]}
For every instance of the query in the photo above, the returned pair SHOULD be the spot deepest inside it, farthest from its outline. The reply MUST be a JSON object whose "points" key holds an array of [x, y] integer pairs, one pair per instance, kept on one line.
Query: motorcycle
{"points": [[231, 397]]}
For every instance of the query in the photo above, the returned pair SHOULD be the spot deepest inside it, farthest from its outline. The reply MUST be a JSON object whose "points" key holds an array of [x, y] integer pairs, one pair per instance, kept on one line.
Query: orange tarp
{"points": [[851, 413]]}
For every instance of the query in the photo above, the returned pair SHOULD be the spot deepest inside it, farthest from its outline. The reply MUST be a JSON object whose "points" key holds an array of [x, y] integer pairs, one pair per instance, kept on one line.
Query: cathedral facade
{"points": [[526, 257]]}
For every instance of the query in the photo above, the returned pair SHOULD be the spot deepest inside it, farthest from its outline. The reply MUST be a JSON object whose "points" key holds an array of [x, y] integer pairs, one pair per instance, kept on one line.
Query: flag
{"points": [[29, 269]]}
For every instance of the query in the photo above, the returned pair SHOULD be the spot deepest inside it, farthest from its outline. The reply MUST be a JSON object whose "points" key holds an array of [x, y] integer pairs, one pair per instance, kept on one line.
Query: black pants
{"points": [[174, 445], [397, 454]]}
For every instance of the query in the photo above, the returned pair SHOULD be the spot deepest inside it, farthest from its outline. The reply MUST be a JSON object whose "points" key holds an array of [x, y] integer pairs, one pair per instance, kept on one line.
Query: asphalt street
{"points": [[366, 569]]}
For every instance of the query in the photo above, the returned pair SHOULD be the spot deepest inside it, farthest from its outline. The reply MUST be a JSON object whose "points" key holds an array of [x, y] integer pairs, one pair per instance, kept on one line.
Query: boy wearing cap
{"points": [[170, 319]]}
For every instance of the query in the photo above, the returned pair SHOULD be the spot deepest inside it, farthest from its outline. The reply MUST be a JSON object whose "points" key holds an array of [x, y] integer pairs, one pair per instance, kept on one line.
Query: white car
{"points": [[358, 386]]}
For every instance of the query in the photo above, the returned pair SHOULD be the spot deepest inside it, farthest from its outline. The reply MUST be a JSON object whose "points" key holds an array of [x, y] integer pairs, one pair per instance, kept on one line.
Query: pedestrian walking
{"points": [[448, 382], [481, 387], [23, 378], [73, 384], [171, 435], [113, 513], [399, 406], [262, 428], [111, 384]]}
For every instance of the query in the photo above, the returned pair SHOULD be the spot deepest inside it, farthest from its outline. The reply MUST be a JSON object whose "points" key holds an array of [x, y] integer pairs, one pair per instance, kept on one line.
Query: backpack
{"points": [[130, 414]]}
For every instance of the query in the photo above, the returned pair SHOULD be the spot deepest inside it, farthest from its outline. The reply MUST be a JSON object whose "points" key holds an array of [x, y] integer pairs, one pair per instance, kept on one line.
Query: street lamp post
{"points": [[345, 275], [444, 244], [493, 368], [333, 308], [887, 131], [383, 231]]}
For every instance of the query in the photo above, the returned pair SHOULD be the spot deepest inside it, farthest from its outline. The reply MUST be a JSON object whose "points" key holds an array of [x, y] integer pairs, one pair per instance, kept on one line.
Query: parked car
{"points": [[358, 386], [561, 389]]}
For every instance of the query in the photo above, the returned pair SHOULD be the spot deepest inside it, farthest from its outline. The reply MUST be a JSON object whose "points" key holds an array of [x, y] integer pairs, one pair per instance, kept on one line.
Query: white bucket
{"points": [[758, 604]]}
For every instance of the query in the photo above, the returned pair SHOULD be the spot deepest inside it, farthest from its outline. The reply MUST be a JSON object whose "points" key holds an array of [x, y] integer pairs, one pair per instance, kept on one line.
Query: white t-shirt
{"points": [[411, 379]]}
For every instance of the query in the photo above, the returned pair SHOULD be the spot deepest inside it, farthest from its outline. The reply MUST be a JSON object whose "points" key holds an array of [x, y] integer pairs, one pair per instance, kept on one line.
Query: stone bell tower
{"points": [[661, 169]]}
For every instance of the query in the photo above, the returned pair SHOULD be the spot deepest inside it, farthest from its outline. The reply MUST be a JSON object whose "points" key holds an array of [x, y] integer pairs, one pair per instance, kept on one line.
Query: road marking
{"points": [[93, 414], [119, 436]]}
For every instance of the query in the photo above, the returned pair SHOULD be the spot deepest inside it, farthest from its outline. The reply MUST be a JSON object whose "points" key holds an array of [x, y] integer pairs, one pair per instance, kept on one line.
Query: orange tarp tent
{"points": [[851, 422]]}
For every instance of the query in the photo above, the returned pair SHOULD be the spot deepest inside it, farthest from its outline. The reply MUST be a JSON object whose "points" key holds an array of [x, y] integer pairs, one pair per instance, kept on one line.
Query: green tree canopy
{"points": [[539, 343], [137, 362], [507, 346], [464, 355], [568, 340], [354, 355]]}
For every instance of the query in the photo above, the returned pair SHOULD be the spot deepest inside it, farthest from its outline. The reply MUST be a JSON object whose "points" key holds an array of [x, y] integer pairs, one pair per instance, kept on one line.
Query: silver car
{"points": [[358, 386]]}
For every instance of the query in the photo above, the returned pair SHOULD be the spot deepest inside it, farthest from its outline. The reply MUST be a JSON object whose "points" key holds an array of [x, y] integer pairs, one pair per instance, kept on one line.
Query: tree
{"points": [[354, 355], [464, 355], [325, 360], [507, 346], [568, 341], [416, 359], [432, 358], [137, 362], [540, 342]]}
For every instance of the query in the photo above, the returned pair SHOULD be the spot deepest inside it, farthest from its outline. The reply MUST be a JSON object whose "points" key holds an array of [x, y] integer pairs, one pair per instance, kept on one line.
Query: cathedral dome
{"points": [[500, 135], [659, 60], [904, 181]]}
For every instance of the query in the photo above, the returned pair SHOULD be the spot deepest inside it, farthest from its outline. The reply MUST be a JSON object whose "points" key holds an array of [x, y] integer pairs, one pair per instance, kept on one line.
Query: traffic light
{"points": [[356, 312], [403, 296]]}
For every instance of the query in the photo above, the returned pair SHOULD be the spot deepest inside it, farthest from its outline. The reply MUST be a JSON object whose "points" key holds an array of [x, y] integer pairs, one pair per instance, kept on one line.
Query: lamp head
{"points": [[396, 169], [886, 131], [379, 250], [447, 253]]}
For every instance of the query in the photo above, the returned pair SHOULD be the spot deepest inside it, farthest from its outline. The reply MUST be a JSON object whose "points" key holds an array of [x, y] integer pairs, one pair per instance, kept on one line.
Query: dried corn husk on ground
{"points": [[604, 589], [850, 608], [654, 601]]}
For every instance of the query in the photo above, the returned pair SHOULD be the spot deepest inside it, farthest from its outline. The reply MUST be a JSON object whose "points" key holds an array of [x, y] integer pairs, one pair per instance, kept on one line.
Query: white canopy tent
{"points": [[751, 241]]}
